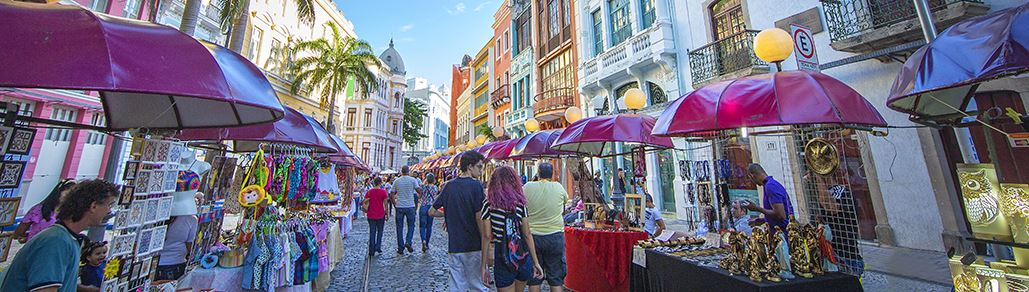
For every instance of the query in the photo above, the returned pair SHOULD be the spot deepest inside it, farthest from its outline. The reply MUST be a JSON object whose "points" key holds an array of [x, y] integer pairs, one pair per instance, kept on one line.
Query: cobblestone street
{"points": [[388, 271]]}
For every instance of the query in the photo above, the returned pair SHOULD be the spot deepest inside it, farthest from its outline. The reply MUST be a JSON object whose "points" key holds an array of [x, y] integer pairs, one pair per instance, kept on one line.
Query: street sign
{"points": [[804, 47]]}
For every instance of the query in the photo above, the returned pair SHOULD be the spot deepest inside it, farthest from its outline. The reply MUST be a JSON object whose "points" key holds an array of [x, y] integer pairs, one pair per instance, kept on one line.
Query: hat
{"points": [[187, 181], [184, 203]]}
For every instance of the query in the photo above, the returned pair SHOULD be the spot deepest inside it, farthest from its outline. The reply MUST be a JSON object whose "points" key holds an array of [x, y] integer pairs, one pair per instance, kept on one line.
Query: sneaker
{"points": [[400, 252], [425, 247], [409, 249]]}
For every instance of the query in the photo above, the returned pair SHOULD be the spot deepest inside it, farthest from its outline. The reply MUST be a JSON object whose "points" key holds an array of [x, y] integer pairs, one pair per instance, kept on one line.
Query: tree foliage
{"points": [[414, 119]]}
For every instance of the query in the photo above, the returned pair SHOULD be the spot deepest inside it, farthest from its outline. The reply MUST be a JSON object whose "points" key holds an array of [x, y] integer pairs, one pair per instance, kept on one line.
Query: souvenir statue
{"points": [[737, 254], [755, 254], [980, 190], [967, 281], [814, 252], [798, 251], [774, 267]]}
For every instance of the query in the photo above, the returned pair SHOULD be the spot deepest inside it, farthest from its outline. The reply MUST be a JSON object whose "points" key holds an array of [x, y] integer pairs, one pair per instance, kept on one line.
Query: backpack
{"points": [[515, 252]]}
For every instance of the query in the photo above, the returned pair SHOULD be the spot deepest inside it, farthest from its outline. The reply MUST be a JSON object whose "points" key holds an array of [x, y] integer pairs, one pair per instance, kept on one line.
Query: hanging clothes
{"points": [[328, 185]]}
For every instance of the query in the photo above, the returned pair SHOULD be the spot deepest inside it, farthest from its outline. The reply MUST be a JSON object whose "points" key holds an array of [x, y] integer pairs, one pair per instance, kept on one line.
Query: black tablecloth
{"points": [[668, 273]]}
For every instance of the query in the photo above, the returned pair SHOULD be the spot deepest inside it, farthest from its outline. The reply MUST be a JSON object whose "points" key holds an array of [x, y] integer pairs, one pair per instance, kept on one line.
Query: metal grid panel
{"points": [[829, 198]]}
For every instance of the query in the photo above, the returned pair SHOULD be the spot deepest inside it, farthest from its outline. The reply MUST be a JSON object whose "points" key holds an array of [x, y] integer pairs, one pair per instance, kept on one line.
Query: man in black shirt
{"points": [[461, 203]]}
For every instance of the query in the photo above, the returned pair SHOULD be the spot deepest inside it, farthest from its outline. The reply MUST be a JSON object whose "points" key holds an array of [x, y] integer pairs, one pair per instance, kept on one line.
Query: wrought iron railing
{"points": [[500, 96], [724, 56], [848, 18], [554, 99]]}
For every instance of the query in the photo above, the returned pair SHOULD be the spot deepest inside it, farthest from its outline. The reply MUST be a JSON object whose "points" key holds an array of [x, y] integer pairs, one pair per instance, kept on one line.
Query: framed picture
{"points": [[136, 210], [153, 265], [5, 245], [123, 286], [150, 216], [5, 137], [127, 194], [156, 185], [149, 151], [175, 153], [21, 141], [131, 168], [8, 210], [126, 271], [634, 211], [157, 239], [170, 180], [163, 149], [10, 173], [164, 207], [122, 245], [121, 219], [109, 286], [142, 182], [143, 243], [137, 267]]}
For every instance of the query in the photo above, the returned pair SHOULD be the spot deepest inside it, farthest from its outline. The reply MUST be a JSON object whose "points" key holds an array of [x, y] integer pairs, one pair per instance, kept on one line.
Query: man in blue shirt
{"points": [[460, 205], [50, 261], [776, 205]]}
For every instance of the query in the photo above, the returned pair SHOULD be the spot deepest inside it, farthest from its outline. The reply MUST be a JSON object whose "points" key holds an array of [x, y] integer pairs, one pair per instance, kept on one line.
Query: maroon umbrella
{"points": [[342, 153], [502, 150], [148, 75], [537, 145], [774, 99], [940, 78], [295, 128], [595, 136]]}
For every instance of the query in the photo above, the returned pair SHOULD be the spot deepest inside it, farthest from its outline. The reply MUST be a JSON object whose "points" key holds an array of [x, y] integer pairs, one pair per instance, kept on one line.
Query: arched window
{"points": [[726, 18], [656, 94]]}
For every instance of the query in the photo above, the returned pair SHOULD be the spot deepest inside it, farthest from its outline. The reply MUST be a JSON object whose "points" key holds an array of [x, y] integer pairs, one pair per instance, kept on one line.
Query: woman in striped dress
{"points": [[514, 253]]}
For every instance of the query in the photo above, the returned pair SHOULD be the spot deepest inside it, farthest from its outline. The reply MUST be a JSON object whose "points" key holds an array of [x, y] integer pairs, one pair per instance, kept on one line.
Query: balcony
{"points": [[860, 26], [550, 104], [522, 64], [726, 58], [500, 97], [518, 117], [650, 47]]}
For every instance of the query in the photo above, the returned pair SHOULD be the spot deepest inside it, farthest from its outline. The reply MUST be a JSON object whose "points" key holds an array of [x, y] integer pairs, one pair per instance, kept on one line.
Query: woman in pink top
{"points": [[42, 215]]}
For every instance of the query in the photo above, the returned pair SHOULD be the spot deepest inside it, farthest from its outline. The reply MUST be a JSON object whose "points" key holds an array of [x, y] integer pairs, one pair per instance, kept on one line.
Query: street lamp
{"points": [[498, 132], [532, 125], [635, 99], [480, 139], [573, 114], [773, 45]]}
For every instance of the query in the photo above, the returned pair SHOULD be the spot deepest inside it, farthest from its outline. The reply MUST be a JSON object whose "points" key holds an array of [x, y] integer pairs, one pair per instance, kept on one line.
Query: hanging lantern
{"points": [[498, 132], [573, 114], [635, 99], [470, 144], [480, 139], [532, 125], [773, 45]]}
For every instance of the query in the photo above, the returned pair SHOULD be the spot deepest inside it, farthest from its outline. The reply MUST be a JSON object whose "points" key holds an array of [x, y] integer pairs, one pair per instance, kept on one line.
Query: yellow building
{"points": [[481, 74], [274, 26]]}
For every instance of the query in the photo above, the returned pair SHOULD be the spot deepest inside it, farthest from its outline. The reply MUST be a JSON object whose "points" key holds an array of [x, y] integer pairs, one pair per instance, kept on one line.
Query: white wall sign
{"points": [[804, 47]]}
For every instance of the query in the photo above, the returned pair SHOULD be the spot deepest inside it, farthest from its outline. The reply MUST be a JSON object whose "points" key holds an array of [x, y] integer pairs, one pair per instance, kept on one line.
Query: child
{"points": [[654, 224], [92, 271]]}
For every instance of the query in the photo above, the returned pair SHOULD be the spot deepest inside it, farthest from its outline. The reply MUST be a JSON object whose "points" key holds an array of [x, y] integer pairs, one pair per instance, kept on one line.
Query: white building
{"points": [[373, 122], [207, 27], [436, 123]]}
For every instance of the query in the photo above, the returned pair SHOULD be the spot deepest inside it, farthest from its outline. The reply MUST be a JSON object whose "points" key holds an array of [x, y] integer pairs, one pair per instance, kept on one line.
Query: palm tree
{"points": [[332, 64], [235, 14]]}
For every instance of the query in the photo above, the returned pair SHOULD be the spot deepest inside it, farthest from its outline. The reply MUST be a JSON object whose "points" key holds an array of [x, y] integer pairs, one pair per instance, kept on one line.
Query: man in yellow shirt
{"points": [[546, 200]]}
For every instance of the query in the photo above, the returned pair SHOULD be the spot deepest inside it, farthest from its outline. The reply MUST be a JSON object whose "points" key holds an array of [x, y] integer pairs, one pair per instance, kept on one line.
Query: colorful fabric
{"points": [[38, 223], [187, 181]]}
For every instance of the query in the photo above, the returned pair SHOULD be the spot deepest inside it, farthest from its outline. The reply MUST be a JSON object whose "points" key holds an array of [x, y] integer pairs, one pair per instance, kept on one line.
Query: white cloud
{"points": [[480, 6], [407, 27], [458, 9]]}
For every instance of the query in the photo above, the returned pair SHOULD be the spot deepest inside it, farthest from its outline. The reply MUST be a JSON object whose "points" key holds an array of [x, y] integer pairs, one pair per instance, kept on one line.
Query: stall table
{"points": [[669, 273], [599, 260]]}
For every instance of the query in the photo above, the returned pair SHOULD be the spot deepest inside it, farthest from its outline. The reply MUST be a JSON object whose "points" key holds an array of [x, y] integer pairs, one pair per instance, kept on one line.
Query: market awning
{"points": [[537, 145], [295, 128], [502, 150], [148, 75], [939, 79], [773, 99], [596, 136]]}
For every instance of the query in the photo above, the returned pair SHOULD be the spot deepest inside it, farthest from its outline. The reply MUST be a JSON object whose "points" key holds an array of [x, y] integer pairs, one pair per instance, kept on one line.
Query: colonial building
{"points": [[436, 123], [460, 81], [373, 120], [482, 76], [500, 96], [522, 68], [556, 62]]}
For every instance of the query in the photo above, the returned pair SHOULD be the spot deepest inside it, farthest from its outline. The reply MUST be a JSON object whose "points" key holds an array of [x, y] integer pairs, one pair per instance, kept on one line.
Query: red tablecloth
{"points": [[599, 260]]}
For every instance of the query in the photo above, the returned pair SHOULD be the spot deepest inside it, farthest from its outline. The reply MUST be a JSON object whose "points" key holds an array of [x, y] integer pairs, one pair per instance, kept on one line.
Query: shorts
{"points": [[504, 276], [550, 250]]}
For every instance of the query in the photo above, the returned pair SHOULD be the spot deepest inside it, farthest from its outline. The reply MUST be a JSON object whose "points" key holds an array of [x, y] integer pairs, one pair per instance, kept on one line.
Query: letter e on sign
{"points": [[804, 48]]}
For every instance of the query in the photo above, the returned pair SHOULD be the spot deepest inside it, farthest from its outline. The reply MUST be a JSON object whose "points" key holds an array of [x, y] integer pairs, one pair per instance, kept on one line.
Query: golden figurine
{"points": [[756, 254], [734, 262], [967, 281], [814, 249], [772, 264], [798, 251]]}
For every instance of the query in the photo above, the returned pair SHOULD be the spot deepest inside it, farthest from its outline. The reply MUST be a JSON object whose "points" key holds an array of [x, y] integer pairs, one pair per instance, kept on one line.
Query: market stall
{"points": [[599, 246], [287, 202], [819, 245], [969, 83], [113, 58]]}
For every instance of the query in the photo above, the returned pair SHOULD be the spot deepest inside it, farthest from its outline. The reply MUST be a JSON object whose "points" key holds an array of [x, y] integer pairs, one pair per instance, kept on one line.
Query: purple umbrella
{"points": [[939, 79], [537, 145], [148, 75], [594, 136], [295, 128]]}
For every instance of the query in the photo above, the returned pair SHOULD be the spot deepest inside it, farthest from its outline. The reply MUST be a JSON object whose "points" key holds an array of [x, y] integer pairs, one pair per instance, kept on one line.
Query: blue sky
{"points": [[431, 35]]}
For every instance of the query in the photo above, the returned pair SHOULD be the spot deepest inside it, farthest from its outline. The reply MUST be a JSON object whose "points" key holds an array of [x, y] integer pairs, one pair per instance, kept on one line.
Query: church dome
{"points": [[391, 58]]}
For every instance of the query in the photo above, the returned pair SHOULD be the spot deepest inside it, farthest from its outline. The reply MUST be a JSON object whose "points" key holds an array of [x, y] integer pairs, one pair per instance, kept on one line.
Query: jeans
{"points": [[424, 224], [405, 214], [464, 272], [375, 234]]}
